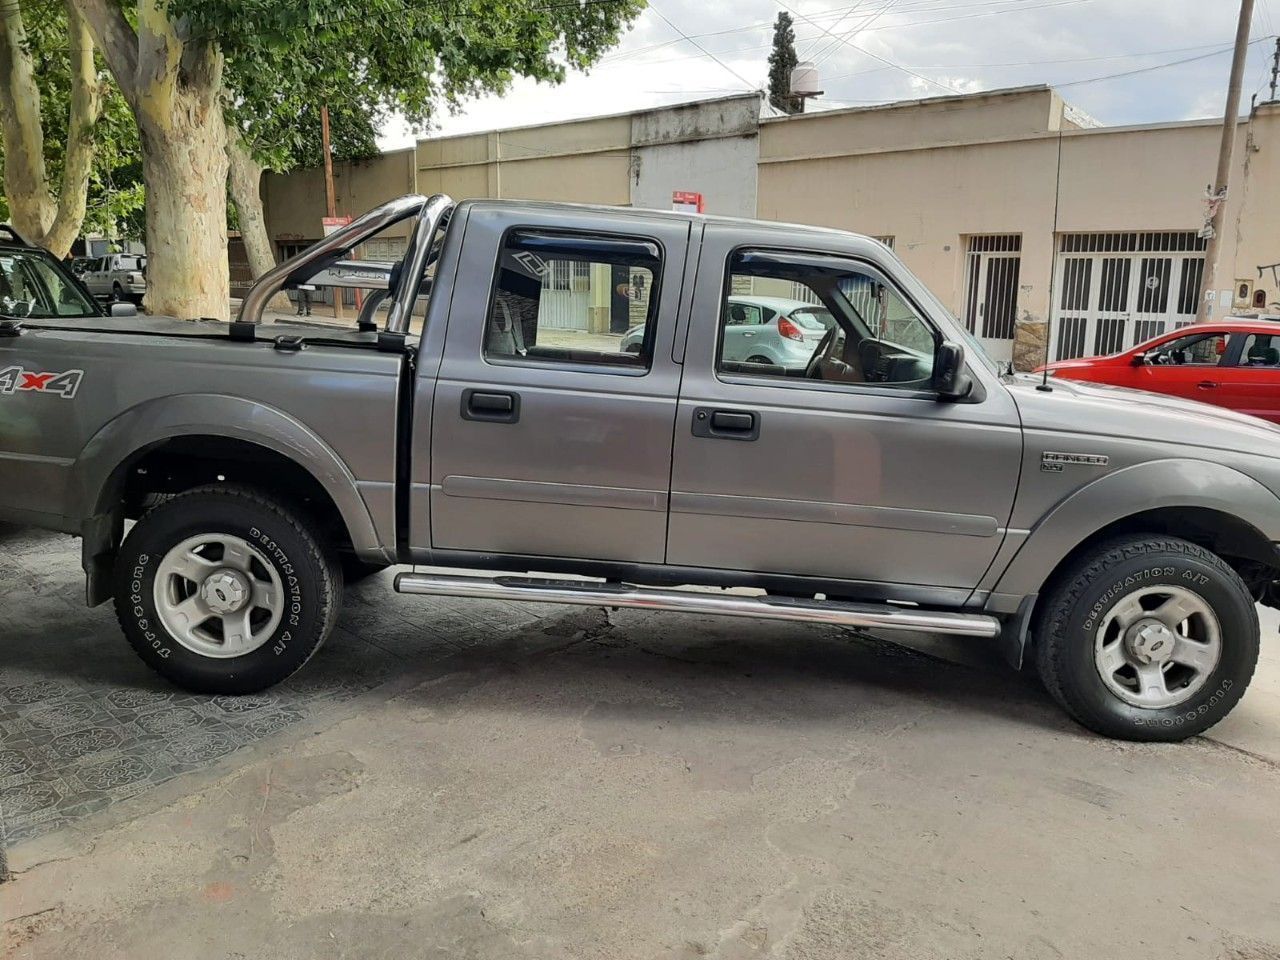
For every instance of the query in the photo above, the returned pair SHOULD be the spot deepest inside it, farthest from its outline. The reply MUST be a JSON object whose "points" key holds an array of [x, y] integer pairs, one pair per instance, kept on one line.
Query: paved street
{"points": [[458, 779]]}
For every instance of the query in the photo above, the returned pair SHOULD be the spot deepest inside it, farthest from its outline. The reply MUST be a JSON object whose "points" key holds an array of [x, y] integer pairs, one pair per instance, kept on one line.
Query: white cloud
{"points": [[965, 44]]}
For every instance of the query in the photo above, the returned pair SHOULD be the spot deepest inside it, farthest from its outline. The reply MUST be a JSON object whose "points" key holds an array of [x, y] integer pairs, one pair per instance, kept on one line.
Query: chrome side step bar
{"points": [[595, 594]]}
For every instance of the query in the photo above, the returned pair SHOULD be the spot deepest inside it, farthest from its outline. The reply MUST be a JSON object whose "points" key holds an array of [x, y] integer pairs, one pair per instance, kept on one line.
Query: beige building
{"points": [[1013, 207], [1013, 211]]}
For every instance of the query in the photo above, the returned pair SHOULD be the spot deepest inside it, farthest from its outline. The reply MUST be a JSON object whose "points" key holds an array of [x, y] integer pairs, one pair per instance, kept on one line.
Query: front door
{"points": [[547, 438], [847, 467], [1188, 366], [993, 265]]}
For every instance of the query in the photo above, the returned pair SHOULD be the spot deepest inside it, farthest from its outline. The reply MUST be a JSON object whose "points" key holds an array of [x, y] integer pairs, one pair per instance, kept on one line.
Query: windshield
{"points": [[33, 287]]}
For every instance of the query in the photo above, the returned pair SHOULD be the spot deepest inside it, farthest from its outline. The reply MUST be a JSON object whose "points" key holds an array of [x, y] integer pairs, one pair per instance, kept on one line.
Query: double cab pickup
{"points": [[563, 401]]}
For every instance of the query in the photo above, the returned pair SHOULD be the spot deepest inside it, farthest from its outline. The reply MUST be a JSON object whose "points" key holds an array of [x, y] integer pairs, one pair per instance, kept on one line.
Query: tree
{"points": [[272, 141], [186, 67], [782, 60], [61, 40]]}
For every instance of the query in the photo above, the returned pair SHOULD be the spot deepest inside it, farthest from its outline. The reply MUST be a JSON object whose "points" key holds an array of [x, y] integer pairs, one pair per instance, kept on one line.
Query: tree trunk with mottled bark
{"points": [[36, 213], [245, 184], [172, 82]]}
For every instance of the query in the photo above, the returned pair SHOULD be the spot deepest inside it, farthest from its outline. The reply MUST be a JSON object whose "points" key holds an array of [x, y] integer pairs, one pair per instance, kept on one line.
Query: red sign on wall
{"points": [[686, 201]]}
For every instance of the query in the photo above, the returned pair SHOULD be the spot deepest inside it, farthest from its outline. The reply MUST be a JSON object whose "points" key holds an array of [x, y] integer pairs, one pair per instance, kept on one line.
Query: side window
{"points": [[1195, 349], [743, 314], [1261, 350], [574, 298], [831, 320]]}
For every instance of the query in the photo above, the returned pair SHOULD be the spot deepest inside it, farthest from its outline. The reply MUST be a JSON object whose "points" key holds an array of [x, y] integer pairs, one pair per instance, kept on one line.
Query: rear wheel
{"points": [[223, 590], [1149, 638], [758, 359]]}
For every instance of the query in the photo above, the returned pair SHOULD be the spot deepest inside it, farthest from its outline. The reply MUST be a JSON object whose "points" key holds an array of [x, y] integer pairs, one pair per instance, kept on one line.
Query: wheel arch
{"points": [[1211, 504], [212, 429]]}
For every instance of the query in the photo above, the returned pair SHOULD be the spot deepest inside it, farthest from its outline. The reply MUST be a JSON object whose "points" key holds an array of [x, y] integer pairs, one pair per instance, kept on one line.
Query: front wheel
{"points": [[222, 590], [1147, 638]]}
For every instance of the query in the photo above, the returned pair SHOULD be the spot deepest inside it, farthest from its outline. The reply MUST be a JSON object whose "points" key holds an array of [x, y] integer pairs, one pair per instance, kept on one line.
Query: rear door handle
{"points": [[1207, 384], [492, 406], [725, 424]]}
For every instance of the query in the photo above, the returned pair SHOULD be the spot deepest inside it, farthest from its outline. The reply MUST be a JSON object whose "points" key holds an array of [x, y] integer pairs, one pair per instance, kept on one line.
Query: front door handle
{"points": [[492, 406], [1207, 384], [725, 424]]}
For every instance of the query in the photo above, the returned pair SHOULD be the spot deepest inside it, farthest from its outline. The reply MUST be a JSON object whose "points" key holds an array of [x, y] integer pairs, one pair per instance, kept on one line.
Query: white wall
{"points": [[710, 148]]}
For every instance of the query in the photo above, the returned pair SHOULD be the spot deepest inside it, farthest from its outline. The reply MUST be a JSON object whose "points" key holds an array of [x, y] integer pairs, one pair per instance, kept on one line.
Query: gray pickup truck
{"points": [[483, 415]]}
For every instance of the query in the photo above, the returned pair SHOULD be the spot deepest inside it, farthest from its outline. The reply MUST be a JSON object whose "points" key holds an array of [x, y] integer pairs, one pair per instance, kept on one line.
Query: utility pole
{"points": [[1218, 196], [330, 197], [331, 200], [1275, 69]]}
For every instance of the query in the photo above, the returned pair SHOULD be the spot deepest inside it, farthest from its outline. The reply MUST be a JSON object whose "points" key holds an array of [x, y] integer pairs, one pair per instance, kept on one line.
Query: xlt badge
{"points": [[1055, 462]]}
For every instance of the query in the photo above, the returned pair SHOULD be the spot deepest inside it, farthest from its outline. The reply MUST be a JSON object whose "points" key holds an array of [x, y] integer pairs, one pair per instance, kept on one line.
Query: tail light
{"points": [[787, 328]]}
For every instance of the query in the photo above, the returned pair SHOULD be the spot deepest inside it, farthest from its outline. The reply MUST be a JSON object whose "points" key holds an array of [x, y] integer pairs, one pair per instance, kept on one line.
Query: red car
{"points": [[1233, 364]]}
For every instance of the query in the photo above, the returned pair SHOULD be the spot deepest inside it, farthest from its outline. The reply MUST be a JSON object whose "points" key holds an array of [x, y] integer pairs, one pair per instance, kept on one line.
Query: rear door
{"points": [[1250, 383], [547, 438], [849, 470]]}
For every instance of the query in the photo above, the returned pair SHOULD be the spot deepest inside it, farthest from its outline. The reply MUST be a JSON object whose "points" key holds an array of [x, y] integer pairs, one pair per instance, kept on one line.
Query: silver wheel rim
{"points": [[218, 596], [1158, 646]]}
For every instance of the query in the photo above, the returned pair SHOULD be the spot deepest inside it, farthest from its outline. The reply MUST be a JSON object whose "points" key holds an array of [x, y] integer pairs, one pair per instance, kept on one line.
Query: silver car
{"points": [[773, 331], [117, 276]]}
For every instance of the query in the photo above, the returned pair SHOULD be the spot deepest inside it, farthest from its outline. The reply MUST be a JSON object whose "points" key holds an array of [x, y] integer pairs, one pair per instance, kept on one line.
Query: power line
{"points": [[833, 46], [749, 85], [844, 15], [1099, 79], [850, 43], [1157, 66], [1019, 7]]}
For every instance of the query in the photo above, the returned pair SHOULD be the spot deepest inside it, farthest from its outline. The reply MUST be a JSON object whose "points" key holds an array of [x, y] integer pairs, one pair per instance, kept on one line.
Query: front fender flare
{"points": [[1145, 486], [102, 463]]}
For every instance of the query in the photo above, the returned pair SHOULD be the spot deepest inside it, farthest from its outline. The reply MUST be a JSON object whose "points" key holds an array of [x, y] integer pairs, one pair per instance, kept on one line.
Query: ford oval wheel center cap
{"points": [[1150, 641], [227, 591]]}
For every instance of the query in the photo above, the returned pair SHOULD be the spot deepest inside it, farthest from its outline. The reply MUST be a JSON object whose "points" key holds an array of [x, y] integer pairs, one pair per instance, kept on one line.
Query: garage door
{"points": [[1114, 290]]}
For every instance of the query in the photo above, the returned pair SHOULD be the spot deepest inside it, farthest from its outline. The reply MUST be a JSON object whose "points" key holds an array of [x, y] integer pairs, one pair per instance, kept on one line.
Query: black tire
{"points": [[312, 577], [117, 291], [1076, 605], [763, 360]]}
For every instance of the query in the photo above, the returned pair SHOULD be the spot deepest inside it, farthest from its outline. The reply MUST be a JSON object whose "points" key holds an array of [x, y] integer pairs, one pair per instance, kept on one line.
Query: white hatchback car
{"points": [[770, 330]]}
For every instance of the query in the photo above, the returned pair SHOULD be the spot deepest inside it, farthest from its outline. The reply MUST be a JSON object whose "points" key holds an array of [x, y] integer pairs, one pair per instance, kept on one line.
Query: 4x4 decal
{"points": [[16, 380]]}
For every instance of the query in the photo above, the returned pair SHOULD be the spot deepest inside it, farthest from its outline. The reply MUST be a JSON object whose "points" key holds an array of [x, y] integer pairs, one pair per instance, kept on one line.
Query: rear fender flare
{"points": [[101, 467]]}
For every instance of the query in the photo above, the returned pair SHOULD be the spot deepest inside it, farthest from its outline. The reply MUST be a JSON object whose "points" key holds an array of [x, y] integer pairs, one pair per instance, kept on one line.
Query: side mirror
{"points": [[123, 309], [950, 377], [1139, 360]]}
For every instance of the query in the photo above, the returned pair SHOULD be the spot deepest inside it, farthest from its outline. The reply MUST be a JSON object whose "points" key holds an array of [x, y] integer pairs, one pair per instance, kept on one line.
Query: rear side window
{"points": [[574, 298], [1261, 350]]}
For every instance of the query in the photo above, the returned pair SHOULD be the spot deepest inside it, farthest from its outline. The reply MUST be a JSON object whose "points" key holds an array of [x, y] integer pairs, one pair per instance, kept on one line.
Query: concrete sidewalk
{"points": [[639, 785]]}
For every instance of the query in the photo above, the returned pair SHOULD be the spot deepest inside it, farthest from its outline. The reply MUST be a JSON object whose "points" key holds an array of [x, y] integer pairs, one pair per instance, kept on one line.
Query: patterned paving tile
{"points": [[84, 724]]}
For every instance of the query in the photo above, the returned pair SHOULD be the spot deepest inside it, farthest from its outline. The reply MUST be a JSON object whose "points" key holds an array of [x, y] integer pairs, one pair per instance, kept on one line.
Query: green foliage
{"points": [[782, 60], [116, 194], [369, 58]]}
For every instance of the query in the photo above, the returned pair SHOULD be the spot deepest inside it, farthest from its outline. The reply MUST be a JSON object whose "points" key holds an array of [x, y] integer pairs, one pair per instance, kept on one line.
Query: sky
{"points": [[875, 51]]}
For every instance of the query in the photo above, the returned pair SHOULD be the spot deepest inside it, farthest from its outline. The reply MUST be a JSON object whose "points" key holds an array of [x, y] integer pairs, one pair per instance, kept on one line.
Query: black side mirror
{"points": [[123, 308], [1139, 360], [951, 379]]}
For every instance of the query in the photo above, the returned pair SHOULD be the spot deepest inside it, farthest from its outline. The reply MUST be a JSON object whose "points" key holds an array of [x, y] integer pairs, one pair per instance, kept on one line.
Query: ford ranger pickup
{"points": [[540, 395]]}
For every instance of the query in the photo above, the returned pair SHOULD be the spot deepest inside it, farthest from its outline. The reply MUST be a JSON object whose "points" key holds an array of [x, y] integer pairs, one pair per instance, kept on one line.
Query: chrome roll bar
{"points": [[330, 250]]}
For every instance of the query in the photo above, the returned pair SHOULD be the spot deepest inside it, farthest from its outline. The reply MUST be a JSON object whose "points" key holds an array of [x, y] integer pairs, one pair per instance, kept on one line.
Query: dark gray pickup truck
{"points": [[542, 388]]}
